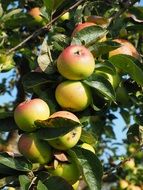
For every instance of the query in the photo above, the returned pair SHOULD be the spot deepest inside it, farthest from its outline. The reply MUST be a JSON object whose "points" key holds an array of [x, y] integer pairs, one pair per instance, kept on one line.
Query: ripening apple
{"points": [[70, 139], [68, 170], [27, 112], [73, 95], [123, 184], [126, 48], [34, 149], [36, 14], [134, 187], [75, 62], [87, 147], [130, 164]]}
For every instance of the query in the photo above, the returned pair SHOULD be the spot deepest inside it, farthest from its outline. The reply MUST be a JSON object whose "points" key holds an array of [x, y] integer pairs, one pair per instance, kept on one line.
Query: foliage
{"points": [[29, 49]]}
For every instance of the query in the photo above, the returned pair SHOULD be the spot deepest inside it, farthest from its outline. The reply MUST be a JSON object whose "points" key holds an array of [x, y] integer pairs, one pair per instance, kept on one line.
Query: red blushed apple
{"points": [[76, 62], [70, 139], [73, 95], [34, 149], [26, 113]]}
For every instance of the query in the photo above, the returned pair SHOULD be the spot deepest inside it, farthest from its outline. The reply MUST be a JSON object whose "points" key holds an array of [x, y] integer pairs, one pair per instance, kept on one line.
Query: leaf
{"points": [[55, 183], [137, 11], [44, 59], [88, 35], [135, 134], [102, 85], [10, 14], [106, 67], [33, 79], [103, 47], [41, 186], [91, 167], [7, 124], [52, 5], [55, 127], [24, 182], [1, 10], [129, 65], [87, 137], [16, 163]]}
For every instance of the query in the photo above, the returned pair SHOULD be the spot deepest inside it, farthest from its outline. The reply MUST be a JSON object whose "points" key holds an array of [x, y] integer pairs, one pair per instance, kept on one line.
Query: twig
{"points": [[109, 172], [47, 26]]}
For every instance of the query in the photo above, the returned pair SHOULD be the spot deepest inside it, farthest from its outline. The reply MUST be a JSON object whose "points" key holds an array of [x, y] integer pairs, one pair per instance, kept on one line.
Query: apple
{"points": [[126, 48], [67, 170], [123, 184], [75, 62], [34, 149], [73, 95], [130, 164], [65, 16], [133, 187], [70, 139], [87, 147], [27, 112], [36, 14]]}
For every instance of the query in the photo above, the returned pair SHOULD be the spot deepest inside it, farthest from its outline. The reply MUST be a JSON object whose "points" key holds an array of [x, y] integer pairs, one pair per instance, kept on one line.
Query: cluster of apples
{"points": [[40, 151]]}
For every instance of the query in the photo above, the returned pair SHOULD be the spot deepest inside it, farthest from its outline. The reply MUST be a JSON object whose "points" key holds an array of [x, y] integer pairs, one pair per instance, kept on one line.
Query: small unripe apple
{"points": [[126, 48], [70, 139], [65, 16], [73, 95], [75, 62], [34, 149], [87, 147], [27, 112], [68, 170], [35, 13], [123, 184], [130, 164]]}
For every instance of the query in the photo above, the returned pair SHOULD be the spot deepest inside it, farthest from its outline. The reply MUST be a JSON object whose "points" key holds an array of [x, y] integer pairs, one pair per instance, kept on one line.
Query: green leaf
{"points": [[54, 182], [88, 35], [135, 134], [106, 67], [41, 186], [103, 47], [87, 137], [7, 124], [129, 65], [33, 79], [10, 14], [55, 127], [1, 10], [52, 5], [16, 163], [137, 11], [44, 59], [102, 85], [135, 27], [91, 167], [24, 182]]}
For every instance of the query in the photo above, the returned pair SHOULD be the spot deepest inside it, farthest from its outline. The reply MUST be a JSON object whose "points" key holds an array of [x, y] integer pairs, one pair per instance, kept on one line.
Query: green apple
{"points": [[75, 62], [70, 139], [73, 95], [27, 112], [34, 149], [67, 170]]}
